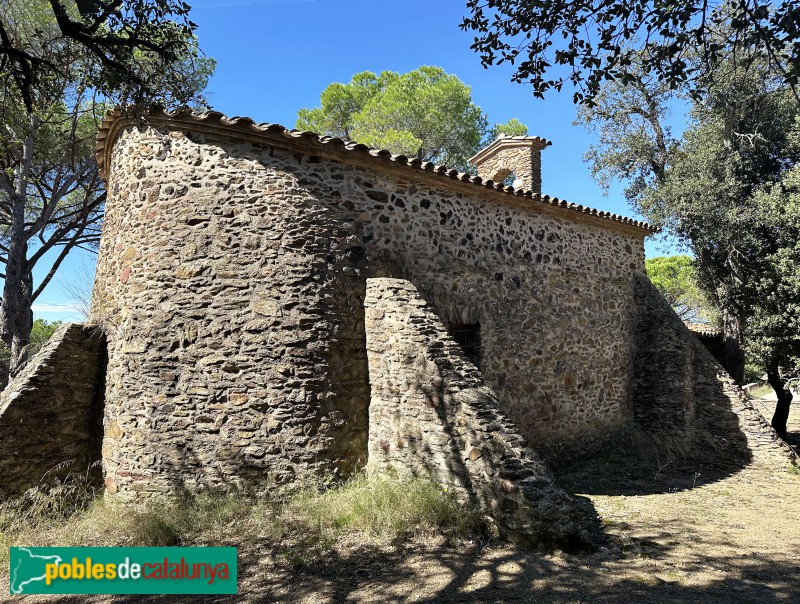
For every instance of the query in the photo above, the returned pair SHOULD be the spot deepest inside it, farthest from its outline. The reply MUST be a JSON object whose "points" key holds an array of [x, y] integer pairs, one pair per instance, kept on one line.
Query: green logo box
{"points": [[123, 570]]}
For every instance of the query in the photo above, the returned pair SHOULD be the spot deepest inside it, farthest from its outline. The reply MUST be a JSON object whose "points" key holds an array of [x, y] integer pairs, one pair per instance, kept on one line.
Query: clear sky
{"points": [[276, 56]]}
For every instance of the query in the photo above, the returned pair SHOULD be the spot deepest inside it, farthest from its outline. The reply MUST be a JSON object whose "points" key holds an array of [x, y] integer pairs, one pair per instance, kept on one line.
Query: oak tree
{"points": [[552, 42], [726, 189]]}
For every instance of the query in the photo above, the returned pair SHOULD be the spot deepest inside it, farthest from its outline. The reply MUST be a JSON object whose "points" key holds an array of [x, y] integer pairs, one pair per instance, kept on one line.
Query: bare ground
{"points": [[704, 530]]}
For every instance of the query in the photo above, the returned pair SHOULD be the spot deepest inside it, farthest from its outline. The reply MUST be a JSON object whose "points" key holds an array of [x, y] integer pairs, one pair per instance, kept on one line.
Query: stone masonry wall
{"points": [[51, 412], [664, 399], [681, 388], [431, 415], [232, 278]]}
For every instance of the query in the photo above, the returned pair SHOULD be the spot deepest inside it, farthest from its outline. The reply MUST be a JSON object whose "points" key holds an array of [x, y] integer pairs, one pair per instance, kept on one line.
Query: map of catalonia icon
{"points": [[27, 568]]}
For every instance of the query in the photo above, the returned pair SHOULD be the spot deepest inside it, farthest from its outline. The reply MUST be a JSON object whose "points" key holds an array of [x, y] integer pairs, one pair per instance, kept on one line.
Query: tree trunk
{"points": [[16, 317], [781, 415], [734, 356]]}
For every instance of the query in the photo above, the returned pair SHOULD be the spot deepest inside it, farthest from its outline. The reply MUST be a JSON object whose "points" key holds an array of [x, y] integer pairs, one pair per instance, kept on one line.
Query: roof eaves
{"points": [[508, 141], [115, 120]]}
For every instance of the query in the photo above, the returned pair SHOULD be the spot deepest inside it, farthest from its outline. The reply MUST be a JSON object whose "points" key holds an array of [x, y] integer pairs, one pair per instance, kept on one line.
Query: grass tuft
{"points": [[300, 529], [386, 507]]}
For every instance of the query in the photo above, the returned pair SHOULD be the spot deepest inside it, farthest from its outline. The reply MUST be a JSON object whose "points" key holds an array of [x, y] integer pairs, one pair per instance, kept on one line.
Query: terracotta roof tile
{"points": [[703, 329], [115, 120], [536, 142]]}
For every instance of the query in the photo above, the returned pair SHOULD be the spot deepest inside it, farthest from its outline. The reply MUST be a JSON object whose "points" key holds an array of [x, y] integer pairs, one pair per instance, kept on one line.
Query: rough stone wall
{"points": [[431, 415], [521, 158], [664, 399], [680, 387], [51, 412], [232, 278], [236, 357]]}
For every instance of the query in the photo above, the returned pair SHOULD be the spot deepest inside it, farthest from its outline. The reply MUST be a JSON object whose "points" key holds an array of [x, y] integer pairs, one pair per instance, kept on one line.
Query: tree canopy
{"points": [[552, 42], [426, 113], [122, 49], [772, 278], [727, 189], [61, 63], [512, 127], [41, 332], [675, 277]]}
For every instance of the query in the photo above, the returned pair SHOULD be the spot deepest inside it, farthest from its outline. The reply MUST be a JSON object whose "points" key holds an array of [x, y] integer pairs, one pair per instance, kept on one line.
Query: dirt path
{"points": [[673, 536], [692, 533]]}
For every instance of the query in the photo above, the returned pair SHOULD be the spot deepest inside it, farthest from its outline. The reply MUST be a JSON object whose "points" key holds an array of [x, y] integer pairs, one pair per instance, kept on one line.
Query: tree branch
{"points": [[51, 273]]}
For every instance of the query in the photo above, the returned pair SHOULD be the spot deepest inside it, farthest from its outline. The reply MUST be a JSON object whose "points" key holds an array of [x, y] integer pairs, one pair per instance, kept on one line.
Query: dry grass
{"points": [[387, 508], [761, 391], [301, 528]]}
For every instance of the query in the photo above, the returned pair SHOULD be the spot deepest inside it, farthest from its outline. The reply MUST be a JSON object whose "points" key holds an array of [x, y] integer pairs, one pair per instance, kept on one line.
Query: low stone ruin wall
{"points": [[51, 412], [432, 415]]}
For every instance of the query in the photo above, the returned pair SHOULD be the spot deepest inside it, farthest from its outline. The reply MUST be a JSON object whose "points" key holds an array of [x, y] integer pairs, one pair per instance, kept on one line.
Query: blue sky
{"points": [[276, 56]]}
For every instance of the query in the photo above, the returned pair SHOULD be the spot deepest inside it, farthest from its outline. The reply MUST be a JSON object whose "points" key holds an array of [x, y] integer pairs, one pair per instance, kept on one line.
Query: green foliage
{"points": [[753, 372], [426, 114], [40, 334], [552, 42], [773, 328], [635, 144], [714, 194], [512, 127], [123, 49], [676, 279], [340, 102], [728, 189]]}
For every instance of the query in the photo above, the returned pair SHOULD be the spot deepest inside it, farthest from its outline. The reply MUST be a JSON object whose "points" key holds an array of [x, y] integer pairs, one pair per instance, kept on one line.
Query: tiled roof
{"points": [[537, 142], [703, 329], [215, 121]]}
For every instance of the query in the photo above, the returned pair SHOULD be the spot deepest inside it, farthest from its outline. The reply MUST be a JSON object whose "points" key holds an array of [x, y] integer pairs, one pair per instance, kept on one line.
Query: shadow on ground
{"points": [[662, 462], [616, 473], [443, 573]]}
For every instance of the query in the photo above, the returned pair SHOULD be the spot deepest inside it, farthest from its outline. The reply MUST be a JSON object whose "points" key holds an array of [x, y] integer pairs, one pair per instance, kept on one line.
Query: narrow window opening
{"points": [[511, 180], [505, 176], [468, 337]]}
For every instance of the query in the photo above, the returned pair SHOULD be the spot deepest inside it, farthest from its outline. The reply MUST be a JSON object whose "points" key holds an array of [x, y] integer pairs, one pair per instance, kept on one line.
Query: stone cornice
{"points": [[309, 143], [509, 142]]}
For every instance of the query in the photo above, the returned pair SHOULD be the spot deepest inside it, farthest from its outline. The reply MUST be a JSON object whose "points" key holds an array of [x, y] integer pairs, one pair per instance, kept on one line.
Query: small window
{"points": [[468, 337]]}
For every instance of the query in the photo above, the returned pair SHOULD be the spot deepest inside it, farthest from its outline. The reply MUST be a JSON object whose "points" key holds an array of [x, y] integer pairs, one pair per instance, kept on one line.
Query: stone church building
{"points": [[270, 305]]}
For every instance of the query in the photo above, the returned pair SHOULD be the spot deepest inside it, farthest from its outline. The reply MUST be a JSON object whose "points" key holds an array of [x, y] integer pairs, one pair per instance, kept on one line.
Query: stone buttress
{"points": [[431, 415]]}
